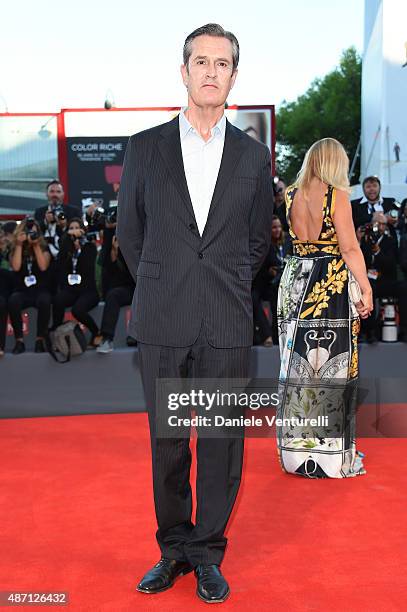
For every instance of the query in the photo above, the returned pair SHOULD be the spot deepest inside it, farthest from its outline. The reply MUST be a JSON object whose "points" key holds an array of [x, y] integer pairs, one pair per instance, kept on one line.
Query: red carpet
{"points": [[77, 516]]}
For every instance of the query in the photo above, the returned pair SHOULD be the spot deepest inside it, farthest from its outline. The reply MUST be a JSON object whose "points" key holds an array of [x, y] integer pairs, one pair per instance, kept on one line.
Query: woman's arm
{"points": [[16, 257], [350, 249]]}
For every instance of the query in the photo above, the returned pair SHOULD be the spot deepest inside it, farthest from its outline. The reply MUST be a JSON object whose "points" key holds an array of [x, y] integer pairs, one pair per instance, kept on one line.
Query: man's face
{"points": [[280, 193], [381, 221], [55, 194], [209, 75], [371, 190]]}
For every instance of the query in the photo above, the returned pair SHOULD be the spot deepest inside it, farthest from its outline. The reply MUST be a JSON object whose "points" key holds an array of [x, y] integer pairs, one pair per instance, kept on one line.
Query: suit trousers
{"points": [[219, 459]]}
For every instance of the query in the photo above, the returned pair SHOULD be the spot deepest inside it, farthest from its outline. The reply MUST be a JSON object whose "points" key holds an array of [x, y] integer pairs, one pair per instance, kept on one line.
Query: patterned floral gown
{"points": [[318, 330]]}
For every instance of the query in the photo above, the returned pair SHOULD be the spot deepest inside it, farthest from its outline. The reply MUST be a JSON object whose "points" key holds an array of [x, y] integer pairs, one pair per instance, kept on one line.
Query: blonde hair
{"points": [[327, 160]]}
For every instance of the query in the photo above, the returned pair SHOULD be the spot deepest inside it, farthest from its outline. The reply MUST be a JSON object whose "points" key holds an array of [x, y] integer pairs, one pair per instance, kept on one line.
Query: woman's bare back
{"points": [[306, 214]]}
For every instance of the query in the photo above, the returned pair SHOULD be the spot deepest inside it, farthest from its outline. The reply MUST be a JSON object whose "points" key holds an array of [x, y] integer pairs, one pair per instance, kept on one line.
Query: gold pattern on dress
{"points": [[328, 234], [305, 248], [322, 291], [333, 249], [354, 362]]}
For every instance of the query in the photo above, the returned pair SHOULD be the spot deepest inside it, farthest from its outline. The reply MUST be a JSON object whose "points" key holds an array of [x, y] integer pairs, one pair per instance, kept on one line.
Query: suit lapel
{"points": [[233, 148], [170, 148]]}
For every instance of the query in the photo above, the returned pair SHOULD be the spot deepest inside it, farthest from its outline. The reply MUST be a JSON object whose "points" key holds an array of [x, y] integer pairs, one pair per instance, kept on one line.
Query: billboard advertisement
{"points": [[96, 143]]}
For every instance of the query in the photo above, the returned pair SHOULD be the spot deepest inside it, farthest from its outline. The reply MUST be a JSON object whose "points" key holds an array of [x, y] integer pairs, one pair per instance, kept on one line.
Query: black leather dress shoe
{"points": [[211, 585], [19, 348], [39, 346], [162, 576]]}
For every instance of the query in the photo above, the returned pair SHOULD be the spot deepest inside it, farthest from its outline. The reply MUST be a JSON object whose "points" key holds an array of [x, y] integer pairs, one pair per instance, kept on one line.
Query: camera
{"points": [[87, 238], [29, 223], [98, 216], [372, 232], [91, 236], [59, 213], [111, 215]]}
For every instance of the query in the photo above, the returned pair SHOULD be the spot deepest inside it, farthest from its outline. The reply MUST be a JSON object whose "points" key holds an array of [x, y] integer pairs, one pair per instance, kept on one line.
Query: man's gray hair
{"points": [[211, 29]]}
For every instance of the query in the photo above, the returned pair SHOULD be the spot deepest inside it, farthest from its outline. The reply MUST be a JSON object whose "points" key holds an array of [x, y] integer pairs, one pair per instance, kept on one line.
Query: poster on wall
{"points": [[94, 169], [96, 143]]}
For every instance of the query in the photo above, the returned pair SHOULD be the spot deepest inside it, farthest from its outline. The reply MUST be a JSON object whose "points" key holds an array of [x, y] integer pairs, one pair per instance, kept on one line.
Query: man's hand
{"points": [[91, 209], [391, 220], [375, 248], [21, 238]]}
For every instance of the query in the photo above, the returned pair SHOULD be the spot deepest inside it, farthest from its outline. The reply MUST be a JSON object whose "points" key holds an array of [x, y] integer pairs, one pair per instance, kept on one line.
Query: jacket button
{"points": [[200, 255], [191, 226]]}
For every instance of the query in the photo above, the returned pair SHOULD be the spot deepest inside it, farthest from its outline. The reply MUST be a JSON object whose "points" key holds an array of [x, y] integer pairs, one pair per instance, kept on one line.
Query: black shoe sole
{"points": [[148, 592], [211, 601]]}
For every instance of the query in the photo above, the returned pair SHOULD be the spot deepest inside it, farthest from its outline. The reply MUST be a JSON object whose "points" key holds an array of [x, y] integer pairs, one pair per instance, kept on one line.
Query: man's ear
{"points": [[233, 78], [184, 74]]}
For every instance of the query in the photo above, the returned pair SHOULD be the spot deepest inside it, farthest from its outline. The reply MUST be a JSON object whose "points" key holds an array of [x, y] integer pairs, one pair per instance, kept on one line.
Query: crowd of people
{"points": [[381, 228], [50, 261]]}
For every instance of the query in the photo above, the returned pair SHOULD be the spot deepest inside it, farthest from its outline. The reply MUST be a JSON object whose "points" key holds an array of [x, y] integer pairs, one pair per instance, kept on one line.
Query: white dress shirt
{"points": [[201, 164], [373, 207]]}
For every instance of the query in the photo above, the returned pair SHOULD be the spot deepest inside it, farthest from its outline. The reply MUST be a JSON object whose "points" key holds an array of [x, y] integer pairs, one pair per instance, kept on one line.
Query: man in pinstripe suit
{"points": [[194, 225]]}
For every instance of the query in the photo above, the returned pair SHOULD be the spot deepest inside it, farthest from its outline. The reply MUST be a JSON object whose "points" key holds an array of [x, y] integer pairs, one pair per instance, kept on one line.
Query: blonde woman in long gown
{"points": [[318, 323]]}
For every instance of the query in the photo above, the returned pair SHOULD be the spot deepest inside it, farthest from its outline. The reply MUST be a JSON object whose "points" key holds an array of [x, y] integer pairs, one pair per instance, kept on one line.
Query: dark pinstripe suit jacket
{"points": [[182, 277]]}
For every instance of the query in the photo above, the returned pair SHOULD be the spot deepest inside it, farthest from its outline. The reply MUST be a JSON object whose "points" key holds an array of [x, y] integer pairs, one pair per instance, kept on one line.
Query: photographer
{"points": [[55, 196], [95, 217], [6, 286], [402, 224], [77, 284], [279, 188], [364, 208], [55, 224], [380, 251], [403, 238], [118, 284], [265, 285], [30, 260]]}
